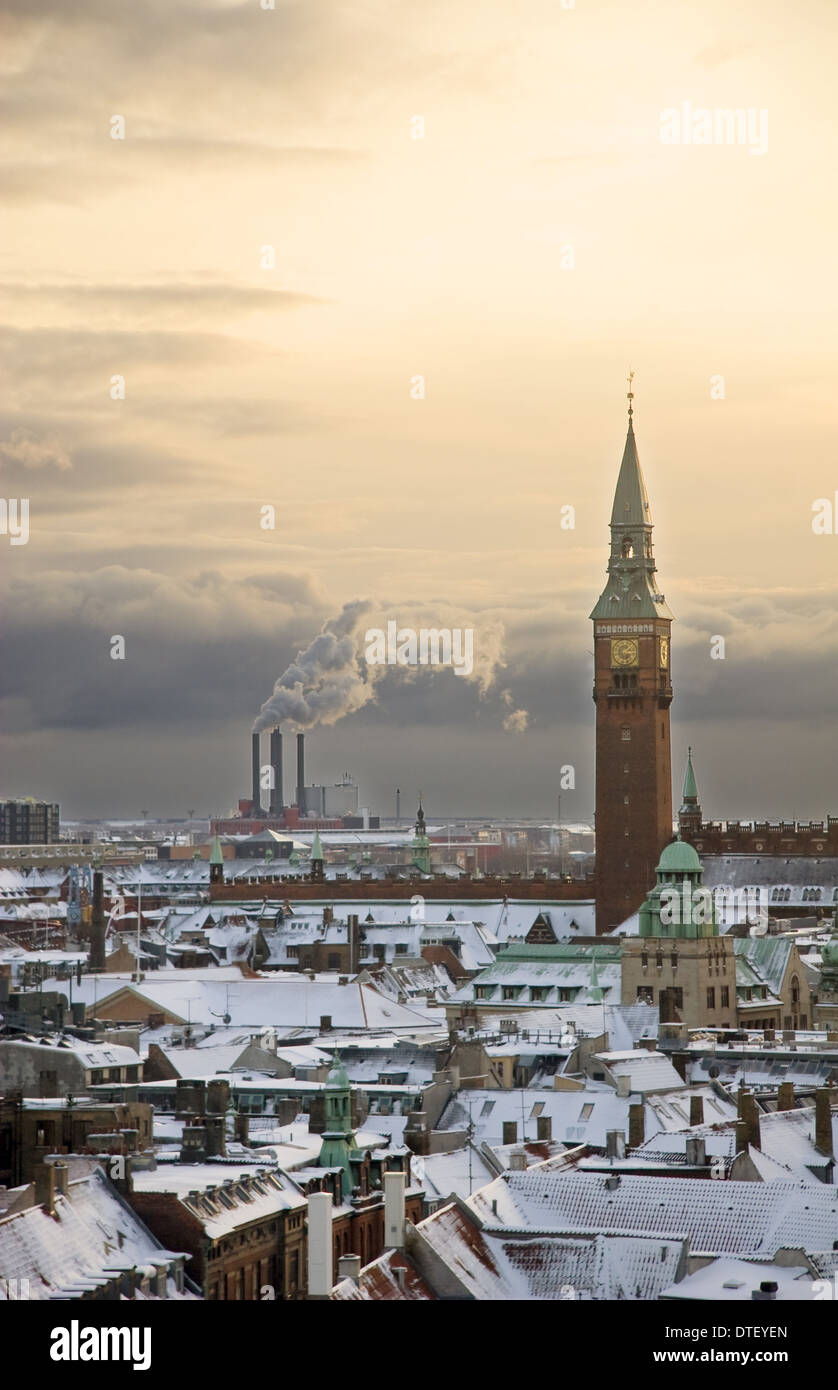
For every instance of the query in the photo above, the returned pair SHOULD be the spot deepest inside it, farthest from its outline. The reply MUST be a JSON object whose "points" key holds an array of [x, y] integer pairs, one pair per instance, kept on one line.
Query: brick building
{"points": [[32, 1129], [632, 693]]}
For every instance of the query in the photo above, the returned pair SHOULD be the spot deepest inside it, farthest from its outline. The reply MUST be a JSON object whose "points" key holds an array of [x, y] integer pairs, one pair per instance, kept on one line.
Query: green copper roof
{"points": [[337, 1080], [216, 857], [631, 591], [631, 500], [679, 858], [316, 847], [690, 789]]}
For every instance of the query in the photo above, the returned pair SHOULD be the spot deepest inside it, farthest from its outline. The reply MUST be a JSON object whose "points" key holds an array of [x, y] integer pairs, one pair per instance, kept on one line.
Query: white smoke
{"points": [[330, 679], [324, 682]]}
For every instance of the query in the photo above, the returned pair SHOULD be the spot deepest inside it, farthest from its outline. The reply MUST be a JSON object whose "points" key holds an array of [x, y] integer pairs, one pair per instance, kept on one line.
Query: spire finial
{"points": [[630, 393]]}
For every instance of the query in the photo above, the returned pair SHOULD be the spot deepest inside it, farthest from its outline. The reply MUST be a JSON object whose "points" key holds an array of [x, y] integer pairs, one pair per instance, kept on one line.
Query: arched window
{"points": [[628, 548], [795, 993]]}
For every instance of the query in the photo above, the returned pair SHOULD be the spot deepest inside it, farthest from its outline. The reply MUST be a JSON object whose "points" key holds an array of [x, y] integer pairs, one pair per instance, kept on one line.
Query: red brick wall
{"points": [[625, 864]]}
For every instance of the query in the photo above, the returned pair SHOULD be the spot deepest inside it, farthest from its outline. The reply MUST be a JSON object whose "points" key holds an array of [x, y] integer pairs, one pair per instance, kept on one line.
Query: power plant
{"points": [[315, 807]]}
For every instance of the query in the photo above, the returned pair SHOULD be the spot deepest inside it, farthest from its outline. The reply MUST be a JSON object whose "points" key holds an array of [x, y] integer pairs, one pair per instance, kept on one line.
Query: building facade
{"points": [[28, 822]]}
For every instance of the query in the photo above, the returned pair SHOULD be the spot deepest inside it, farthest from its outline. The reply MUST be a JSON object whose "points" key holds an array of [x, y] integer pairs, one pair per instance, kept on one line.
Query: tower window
{"points": [[626, 734], [625, 801], [628, 549]]}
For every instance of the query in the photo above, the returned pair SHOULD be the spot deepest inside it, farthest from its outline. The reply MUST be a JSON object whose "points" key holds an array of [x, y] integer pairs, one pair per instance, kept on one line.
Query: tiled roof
{"points": [[736, 1218]]}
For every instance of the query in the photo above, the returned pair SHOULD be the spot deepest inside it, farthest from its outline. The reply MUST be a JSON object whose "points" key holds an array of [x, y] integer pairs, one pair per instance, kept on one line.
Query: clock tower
{"points": [[632, 694]]}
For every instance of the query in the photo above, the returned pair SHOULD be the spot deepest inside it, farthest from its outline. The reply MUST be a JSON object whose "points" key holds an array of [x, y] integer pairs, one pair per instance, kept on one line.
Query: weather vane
{"points": [[630, 393]]}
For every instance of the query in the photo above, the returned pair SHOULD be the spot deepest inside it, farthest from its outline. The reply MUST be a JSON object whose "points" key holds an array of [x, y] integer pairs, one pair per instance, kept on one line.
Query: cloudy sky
{"points": [[269, 258]]}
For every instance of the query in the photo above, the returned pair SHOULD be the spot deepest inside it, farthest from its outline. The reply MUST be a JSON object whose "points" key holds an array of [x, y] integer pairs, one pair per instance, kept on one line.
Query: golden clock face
{"points": [[664, 652], [624, 651]]}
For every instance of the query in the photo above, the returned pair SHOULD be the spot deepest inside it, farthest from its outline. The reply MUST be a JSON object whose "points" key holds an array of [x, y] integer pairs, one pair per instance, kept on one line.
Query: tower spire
{"points": [[630, 395]]}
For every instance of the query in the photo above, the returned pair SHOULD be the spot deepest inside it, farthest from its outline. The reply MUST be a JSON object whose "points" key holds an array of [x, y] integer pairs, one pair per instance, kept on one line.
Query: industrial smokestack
{"points": [[301, 771], [97, 923], [277, 802], [256, 767]]}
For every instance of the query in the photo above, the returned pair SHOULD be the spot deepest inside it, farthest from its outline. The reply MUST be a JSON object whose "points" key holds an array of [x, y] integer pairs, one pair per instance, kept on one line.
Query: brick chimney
{"points": [[696, 1110], [785, 1095], [823, 1121], [637, 1125]]}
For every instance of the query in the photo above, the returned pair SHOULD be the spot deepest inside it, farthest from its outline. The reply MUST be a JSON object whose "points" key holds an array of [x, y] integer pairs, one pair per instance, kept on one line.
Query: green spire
{"points": [[690, 789], [316, 847], [632, 590], [421, 843], [339, 1144], [631, 500], [216, 857]]}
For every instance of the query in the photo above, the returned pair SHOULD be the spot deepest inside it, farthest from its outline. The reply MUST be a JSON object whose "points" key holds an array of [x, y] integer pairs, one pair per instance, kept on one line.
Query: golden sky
{"points": [[395, 257]]}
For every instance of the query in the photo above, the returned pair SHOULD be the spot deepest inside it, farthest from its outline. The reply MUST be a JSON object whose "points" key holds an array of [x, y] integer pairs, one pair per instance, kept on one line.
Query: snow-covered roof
{"points": [[733, 1218], [92, 1235]]}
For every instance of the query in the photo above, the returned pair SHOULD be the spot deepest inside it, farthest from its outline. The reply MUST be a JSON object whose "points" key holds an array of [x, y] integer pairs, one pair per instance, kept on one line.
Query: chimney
{"points": [[255, 767], [741, 1144], [354, 934], [748, 1111], [785, 1095], [97, 923], [544, 1129], [301, 772], [823, 1121], [45, 1187], [62, 1177], [624, 1086], [320, 1279], [518, 1161], [615, 1143], [277, 804], [349, 1267], [766, 1292], [241, 1126], [510, 1132], [637, 1125], [696, 1110], [696, 1152], [394, 1188], [216, 1132]]}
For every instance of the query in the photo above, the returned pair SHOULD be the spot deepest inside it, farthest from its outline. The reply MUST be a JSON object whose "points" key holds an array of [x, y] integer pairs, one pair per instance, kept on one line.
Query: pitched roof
{"points": [[735, 1218]]}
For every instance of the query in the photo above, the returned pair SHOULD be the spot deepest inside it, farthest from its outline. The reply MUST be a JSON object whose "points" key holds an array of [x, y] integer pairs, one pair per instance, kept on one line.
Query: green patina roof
{"points": [[216, 857], [561, 950], [631, 500], [679, 858], [690, 789], [631, 591], [768, 955], [316, 847], [337, 1080]]}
